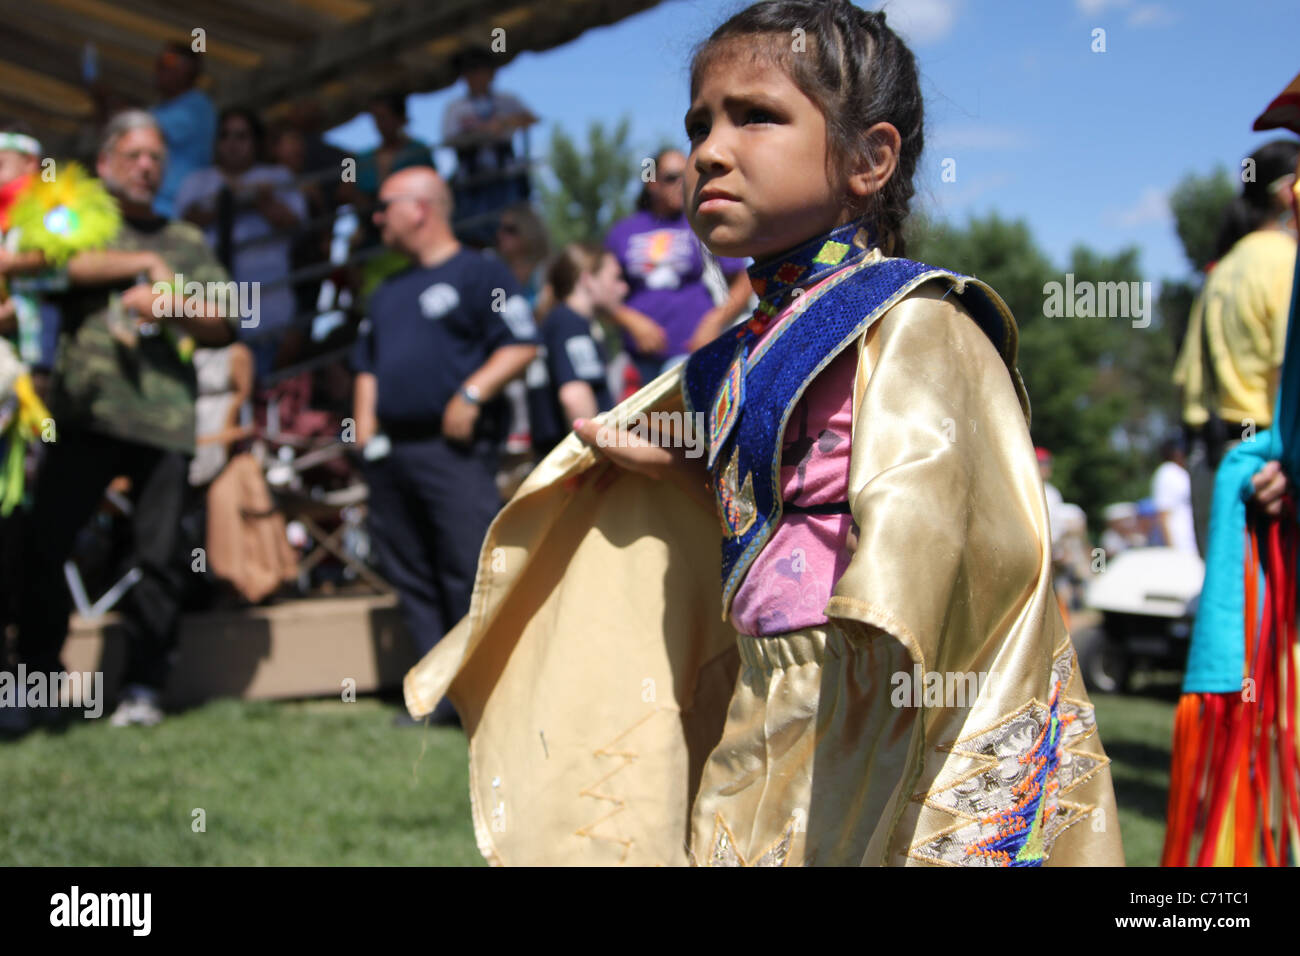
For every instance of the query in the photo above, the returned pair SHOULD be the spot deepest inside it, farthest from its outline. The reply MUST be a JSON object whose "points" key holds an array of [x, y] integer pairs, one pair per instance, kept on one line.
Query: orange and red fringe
{"points": [[1233, 794]]}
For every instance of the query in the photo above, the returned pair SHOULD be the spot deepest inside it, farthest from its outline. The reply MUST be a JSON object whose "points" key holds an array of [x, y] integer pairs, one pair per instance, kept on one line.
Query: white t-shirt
{"points": [[265, 261], [1055, 520], [457, 119], [1171, 492]]}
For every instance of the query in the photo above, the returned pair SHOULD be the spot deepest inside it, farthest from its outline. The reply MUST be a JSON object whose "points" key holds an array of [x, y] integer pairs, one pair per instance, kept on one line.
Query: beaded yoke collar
{"points": [[776, 279]]}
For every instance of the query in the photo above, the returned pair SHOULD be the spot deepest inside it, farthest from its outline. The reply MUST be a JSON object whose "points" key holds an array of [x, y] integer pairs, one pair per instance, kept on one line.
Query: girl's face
{"points": [[605, 285], [760, 144]]}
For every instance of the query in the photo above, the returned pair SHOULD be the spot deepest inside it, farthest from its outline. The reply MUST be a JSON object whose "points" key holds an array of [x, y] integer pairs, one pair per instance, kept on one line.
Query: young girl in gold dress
{"points": [[889, 680]]}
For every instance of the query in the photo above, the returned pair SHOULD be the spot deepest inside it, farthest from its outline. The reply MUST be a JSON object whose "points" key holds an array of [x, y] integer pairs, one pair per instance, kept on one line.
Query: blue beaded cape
{"points": [[748, 398]]}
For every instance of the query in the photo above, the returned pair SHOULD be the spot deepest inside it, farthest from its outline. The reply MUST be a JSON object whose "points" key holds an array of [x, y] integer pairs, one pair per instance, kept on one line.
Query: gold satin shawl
{"points": [[593, 674]]}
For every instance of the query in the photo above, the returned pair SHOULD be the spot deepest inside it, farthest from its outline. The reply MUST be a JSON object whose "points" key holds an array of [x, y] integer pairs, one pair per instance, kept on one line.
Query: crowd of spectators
{"points": [[415, 345]]}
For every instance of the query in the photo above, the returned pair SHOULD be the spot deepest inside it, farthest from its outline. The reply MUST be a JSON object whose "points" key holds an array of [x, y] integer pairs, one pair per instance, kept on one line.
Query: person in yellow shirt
{"points": [[1232, 355]]}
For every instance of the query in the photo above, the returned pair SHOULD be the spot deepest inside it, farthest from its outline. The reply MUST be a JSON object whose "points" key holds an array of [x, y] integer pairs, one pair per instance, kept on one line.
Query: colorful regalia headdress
{"points": [[64, 216], [58, 218]]}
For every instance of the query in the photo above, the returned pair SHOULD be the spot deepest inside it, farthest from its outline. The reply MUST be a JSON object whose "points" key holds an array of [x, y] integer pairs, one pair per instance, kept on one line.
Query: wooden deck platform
{"points": [[305, 648]]}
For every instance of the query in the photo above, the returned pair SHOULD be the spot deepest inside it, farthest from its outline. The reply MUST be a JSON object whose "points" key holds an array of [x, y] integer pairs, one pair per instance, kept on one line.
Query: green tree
{"points": [[596, 185], [1098, 387], [1001, 252], [1197, 203]]}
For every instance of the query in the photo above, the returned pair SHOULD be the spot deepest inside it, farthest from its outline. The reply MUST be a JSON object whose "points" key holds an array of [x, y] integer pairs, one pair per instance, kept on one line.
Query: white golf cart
{"points": [[1147, 600]]}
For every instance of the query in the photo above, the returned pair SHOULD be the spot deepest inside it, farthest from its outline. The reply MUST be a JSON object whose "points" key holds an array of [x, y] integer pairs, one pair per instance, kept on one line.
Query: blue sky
{"points": [[1083, 145]]}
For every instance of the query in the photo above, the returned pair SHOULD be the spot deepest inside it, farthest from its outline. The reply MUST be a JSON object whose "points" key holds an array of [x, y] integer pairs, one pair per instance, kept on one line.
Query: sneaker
{"points": [[139, 706]]}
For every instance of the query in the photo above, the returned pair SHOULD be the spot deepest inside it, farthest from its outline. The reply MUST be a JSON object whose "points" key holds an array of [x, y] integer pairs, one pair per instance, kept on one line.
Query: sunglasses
{"points": [[383, 204], [508, 228], [672, 177]]}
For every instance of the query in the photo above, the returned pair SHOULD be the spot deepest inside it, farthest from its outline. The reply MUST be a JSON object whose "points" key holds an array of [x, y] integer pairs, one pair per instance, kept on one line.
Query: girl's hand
{"points": [[625, 449], [629, 451], [1271, 488]]}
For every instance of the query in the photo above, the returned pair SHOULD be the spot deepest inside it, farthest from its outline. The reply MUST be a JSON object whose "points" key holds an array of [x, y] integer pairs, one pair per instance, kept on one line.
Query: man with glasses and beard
{"points": [[122, 398]]}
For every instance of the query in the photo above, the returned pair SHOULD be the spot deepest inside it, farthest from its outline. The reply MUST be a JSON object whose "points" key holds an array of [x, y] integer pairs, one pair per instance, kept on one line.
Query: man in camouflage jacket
{"points": [[122, 402]]}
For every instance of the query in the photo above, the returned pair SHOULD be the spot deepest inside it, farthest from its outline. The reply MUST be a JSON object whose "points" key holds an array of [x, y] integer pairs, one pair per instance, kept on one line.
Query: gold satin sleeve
{"points": [[593, 675], [592, 672], [953, 561]]}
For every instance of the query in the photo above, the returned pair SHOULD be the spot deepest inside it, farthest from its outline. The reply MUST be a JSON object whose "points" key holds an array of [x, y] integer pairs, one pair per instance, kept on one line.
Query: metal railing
{"points": [[331, 223]]}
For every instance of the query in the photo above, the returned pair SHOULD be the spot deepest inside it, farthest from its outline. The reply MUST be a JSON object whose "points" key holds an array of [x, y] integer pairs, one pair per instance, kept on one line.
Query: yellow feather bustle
{"points": [[67, 215]]}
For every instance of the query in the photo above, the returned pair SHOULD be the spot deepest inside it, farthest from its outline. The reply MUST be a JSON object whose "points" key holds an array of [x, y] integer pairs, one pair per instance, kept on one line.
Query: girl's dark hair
{"points": [[1255, 204], [569, 265], [256, 128], [643, 197], [857, 71]]}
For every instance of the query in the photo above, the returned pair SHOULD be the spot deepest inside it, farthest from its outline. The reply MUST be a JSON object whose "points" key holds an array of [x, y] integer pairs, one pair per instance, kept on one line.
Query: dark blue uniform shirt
{"points": [[431, 328]]}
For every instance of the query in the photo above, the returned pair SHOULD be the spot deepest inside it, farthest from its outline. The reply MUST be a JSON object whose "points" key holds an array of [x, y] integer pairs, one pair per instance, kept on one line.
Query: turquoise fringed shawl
{"points": [[1216, 658]]}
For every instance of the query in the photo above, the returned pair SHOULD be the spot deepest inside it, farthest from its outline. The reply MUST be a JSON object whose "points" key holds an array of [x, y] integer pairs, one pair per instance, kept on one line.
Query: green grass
{"points": [[304, 783], [1137, 731], [333, 783]]}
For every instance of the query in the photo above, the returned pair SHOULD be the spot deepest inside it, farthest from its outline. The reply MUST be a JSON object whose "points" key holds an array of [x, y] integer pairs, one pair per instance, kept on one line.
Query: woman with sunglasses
{"points": [[523, 244], [670, 310]]}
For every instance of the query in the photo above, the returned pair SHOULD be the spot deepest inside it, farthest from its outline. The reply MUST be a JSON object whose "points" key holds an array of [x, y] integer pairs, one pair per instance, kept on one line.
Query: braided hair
{"points": [[858, 73]]}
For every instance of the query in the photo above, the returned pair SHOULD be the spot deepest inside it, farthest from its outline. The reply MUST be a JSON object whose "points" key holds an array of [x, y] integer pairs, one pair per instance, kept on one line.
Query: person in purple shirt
{"points": [[670, 310]]}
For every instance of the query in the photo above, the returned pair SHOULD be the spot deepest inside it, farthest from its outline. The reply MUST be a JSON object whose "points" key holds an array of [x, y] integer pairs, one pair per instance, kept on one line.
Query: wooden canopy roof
{"points": [[263, 53]]}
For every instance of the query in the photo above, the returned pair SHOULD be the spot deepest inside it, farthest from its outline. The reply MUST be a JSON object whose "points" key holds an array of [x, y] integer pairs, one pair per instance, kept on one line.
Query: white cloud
{"points": [[949, 198], [1151, 207], [1150, 15], [977, 136], [921, 21], [1142, 15], [1091, 8]]}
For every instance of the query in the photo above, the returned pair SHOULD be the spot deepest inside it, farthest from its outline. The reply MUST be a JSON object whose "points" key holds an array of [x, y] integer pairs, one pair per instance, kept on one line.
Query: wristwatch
{"points": [[471, 394]]}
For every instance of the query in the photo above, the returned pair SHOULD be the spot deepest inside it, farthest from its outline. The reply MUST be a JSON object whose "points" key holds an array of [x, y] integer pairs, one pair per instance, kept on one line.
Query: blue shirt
{"points": [[569, 353], [412, 153], [189, 127], [431, 328]]}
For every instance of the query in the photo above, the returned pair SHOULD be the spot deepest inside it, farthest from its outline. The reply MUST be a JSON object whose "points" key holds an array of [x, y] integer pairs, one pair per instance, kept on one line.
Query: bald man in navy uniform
{"points": [[444, 338]]}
